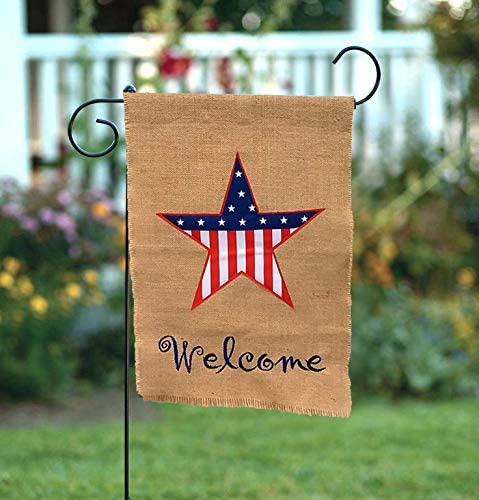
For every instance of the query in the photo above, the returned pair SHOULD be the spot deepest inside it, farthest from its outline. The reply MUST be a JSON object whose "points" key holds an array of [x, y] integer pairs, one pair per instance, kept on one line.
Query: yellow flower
{"points": [[98, 298], [121, 232], [388, 250], [11, 264], [6, 280], [90, 276], [378, 269], [100, 210], [18, 316], [464, 329], [39, 305], [357, 246], [25, 286], [466, 277], [73, 290]]}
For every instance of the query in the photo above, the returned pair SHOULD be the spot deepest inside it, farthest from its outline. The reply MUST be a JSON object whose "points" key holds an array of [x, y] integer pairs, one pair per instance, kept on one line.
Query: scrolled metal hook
{"points": [[376, 64], [114, 128]]}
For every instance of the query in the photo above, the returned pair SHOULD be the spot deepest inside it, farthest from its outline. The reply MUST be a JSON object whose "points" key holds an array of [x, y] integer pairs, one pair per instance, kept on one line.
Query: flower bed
{"points": [[55, 246]]}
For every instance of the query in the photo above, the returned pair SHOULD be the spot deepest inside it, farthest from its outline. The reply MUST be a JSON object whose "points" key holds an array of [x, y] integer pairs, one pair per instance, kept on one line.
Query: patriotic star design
{"points": [[240, 239]]}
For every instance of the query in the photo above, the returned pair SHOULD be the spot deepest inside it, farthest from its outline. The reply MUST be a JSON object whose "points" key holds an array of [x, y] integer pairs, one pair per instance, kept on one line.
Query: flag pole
{"points": [[127, 289]]}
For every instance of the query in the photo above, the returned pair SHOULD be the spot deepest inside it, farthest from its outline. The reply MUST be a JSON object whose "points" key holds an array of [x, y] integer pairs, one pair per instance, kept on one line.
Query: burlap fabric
{"points": [[244, 342]]}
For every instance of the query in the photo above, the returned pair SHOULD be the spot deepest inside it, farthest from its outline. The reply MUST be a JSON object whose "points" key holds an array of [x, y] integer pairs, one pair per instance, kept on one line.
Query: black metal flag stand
{"points": [[127, 305]]}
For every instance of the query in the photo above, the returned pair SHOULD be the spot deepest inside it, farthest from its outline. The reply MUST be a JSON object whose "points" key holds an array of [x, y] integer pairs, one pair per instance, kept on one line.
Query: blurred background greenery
{"points": [[416, 246], [415, 312]]}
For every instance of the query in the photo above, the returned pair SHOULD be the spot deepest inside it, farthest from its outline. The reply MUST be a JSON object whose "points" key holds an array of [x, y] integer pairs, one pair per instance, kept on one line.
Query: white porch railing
{"points": [[296, 63]]}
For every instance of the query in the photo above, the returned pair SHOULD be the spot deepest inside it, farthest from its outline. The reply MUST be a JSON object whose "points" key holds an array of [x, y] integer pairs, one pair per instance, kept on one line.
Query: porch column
{"points": [[366, 16], [13, 116]]}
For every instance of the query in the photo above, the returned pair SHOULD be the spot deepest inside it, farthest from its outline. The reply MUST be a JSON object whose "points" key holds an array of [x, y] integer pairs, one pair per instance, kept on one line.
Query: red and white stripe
{"points": [[234, 252]]}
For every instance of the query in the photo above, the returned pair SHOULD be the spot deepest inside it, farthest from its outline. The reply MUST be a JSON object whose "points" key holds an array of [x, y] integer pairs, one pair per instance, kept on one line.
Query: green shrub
{"points": [[403, 345], [35, 362]]}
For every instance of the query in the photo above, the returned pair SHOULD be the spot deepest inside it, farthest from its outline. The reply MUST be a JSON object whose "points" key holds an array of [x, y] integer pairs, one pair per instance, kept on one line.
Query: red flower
{"points": [[211, 23], [172, 63]]}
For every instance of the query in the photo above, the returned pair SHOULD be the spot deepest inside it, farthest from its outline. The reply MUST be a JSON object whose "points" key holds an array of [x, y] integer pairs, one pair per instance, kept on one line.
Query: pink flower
{"points": [[66, 224], [12, 210], [29, 223], [47, 215], [64, 197]]}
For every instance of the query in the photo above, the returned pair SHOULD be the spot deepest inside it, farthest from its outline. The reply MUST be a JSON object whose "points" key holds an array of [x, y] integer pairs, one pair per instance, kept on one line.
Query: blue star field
{"points": [[240, 211]]}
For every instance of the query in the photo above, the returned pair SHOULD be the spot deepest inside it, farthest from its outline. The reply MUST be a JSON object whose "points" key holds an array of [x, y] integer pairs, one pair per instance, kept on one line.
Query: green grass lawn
{"points": [[403, 450]]}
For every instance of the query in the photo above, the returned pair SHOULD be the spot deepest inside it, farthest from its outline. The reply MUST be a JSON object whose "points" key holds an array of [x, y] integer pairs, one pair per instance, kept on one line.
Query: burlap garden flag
{"points": [[240, 237]]}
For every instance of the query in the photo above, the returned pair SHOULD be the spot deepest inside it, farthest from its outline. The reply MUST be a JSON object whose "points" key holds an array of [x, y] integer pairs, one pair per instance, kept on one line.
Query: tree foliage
{"points": [[456, 35]]}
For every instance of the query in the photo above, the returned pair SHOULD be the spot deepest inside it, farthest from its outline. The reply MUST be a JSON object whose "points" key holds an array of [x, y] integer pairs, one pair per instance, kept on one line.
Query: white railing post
{"points": [[366, 17], [13, 118], [13, 134], [280, 57]]}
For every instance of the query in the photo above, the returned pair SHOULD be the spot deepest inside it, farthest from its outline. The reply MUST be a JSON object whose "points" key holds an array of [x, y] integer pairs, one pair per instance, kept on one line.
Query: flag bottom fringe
{"points": [[247, 403]]}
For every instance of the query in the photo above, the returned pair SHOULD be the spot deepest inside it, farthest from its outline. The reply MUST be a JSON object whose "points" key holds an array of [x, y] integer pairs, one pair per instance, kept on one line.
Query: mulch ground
{"points": [[94, 406]]}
